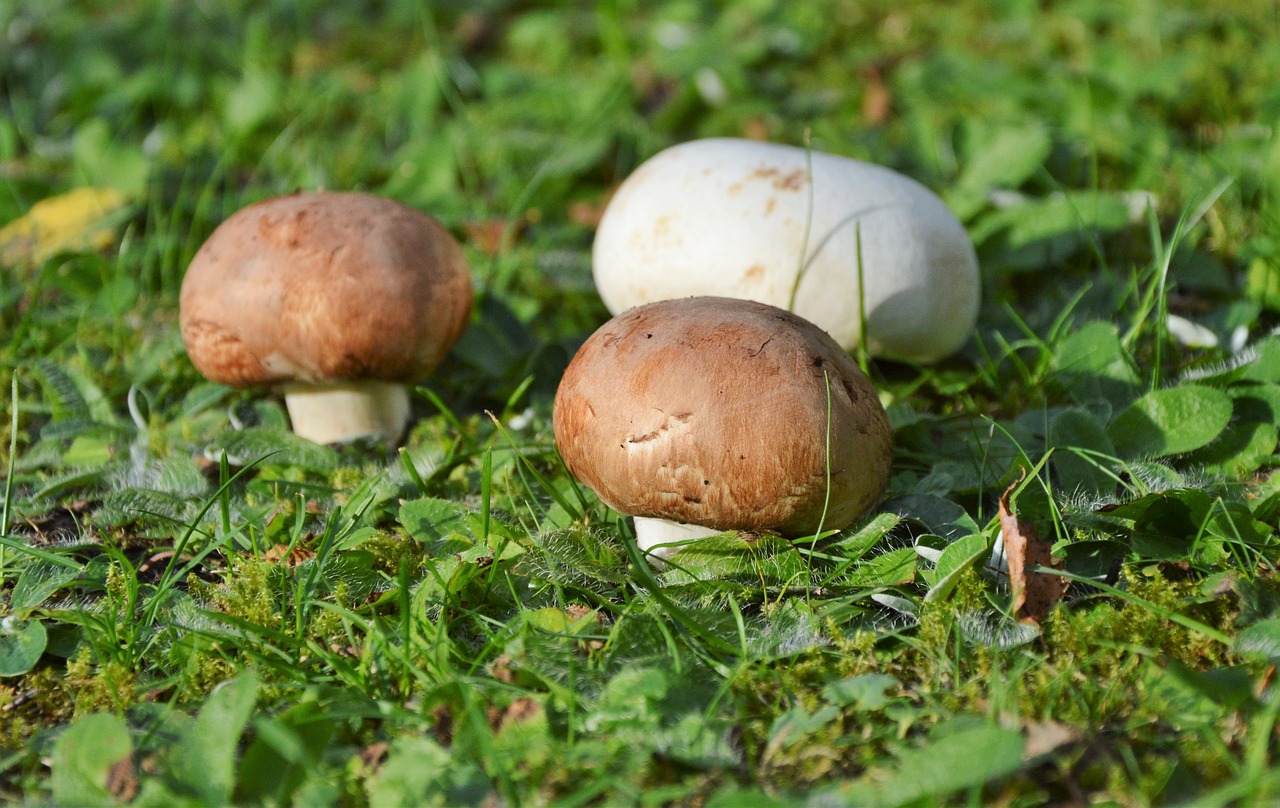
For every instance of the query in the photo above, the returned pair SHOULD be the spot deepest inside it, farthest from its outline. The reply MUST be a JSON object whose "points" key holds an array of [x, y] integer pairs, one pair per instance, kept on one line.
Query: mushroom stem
{"points": [[339, 413], [663, 538]]}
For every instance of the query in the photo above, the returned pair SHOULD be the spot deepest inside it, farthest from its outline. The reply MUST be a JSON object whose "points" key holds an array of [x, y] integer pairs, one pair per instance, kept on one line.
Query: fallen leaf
{"points": [[373, 755], [1034, 593], [280, 553], [589, 212], [493, 236], [876, 100], [501, 670], [122, 781], [1043, 738], [755, 128], [76, 220], [576, 611], [522, 709]]}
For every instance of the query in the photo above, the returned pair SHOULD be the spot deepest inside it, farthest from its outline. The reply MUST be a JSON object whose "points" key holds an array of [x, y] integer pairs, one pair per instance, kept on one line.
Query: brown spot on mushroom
{"points": [[662, 227], [793, 180], [753, 274]]}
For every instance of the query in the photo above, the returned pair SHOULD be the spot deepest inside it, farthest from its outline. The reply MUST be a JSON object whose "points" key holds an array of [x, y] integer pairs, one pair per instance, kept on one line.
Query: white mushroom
{"points": [[740, 218], [341, 297], [708, 414]]}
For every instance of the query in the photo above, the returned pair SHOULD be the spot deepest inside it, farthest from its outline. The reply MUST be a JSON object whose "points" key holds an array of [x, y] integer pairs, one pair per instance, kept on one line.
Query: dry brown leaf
{"points": [[876, 100], [522, 709], [1046, 737], [1034, 593], [291, 558], [122, 780], [373, 755], [589, 212], [493, 236], [755, 128], [501, 670]]}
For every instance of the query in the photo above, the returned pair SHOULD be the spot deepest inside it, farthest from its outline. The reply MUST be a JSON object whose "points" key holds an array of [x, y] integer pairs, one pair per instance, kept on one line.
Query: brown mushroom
{"points": [[343, 298], [718, 414]]}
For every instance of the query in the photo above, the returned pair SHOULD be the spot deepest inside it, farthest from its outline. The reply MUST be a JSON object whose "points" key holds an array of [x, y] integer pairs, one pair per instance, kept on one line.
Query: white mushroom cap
{"points": [[342, 297], [714, 412], [738, 218]]}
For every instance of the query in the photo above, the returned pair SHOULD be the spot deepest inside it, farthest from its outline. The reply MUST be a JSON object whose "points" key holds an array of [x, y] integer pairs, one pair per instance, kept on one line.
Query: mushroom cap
{"points": [[324, 287], [739, 218], [714, 411]]}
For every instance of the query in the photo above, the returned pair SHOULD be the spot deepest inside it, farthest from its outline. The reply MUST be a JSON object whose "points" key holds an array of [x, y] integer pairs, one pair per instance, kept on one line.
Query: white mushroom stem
{"points": [[339, 413], [662, 538]]}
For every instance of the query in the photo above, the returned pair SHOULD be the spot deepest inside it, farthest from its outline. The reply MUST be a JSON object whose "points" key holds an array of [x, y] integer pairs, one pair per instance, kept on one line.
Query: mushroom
{"points": [[708, 414], [341, 297], [741, 218]]}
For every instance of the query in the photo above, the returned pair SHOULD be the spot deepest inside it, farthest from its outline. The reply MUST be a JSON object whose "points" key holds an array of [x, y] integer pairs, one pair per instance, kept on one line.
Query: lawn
{"points": [[199, 608]]}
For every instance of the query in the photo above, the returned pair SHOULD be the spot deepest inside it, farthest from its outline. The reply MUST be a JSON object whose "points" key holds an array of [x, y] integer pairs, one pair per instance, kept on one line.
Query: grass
{"points": [[200, 608]]}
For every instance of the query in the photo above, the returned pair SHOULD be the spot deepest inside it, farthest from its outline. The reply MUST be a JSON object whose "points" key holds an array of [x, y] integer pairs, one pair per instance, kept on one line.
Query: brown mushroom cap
{"points": [[713, 412], [321, 287]]}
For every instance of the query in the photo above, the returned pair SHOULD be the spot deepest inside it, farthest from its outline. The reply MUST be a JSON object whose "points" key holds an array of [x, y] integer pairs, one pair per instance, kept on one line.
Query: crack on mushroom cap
{"points": [[735, 438], [671, 427]]}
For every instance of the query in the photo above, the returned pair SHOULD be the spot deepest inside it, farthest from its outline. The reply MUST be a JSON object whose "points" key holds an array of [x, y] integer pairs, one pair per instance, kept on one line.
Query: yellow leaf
{"points": [[76, 220]]}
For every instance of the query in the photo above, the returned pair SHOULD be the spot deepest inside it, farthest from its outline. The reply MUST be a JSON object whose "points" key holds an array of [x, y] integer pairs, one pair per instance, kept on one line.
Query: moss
{"points": [[107, 687], [326, 627], [1105, 643], [391, 549], [246, 592], [35, 701], [205, 671]]}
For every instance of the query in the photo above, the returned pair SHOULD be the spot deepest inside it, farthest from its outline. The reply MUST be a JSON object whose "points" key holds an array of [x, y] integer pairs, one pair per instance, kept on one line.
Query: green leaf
{"points": [[1265, 364], [1168, 528], [894, 567], [792, 628], [84, 757], [1261, 640], [941, 516], [1263, 283], [440, 524], [1002, 156], [790, 727], [766, 560], [1240, 450], [38, 581], [958, 557], [735, 797], [1042, 233], [957, 761], [203, 761], [1230, 687], [284, 753], [864, 692], [419, 771], [1094, 366], [21, 644], [252, 101], [1079, 471], [1171, 421], [857, 541], [279, 447]]}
